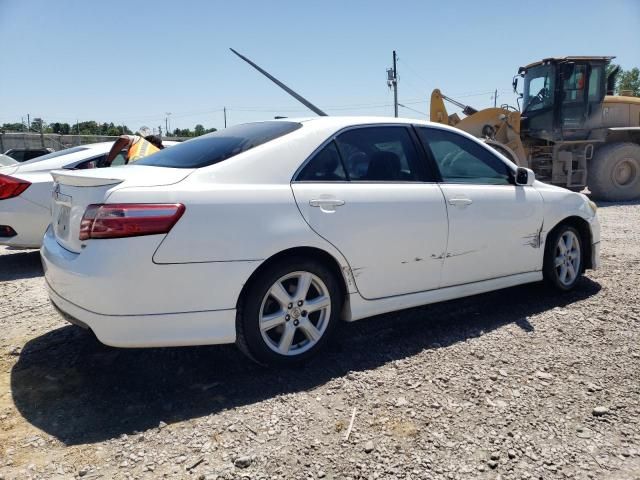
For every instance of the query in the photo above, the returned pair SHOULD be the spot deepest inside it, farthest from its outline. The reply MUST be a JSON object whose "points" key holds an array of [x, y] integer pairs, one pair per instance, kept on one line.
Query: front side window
{"points": [[380, 154], [461, 160], [324, 166], [219, 146]]}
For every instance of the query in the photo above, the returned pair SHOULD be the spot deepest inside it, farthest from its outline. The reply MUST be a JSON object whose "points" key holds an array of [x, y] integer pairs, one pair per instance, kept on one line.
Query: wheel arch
{"points": [[584, 229], [342, 275]]}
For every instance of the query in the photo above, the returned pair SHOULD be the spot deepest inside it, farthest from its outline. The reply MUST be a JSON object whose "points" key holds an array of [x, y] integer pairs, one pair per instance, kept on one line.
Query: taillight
{"points": [[11, 187], [119, 220]]}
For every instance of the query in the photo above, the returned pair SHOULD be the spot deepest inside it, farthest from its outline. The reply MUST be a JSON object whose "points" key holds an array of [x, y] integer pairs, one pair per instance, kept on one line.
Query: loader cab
{"points": [[562, 97]]}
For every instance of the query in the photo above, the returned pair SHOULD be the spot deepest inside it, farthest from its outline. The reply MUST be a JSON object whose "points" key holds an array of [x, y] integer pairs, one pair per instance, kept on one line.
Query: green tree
{"points": [[13, 127], [198, 130], [629, 80]]}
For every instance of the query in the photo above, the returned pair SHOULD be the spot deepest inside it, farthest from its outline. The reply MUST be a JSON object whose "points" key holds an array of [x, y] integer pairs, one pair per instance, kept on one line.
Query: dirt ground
{"points": [[516, 384]]}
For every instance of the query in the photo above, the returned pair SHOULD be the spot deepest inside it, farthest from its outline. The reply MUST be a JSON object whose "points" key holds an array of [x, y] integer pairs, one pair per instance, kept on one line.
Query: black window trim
{"points": [[434, 164], [426, 170]]}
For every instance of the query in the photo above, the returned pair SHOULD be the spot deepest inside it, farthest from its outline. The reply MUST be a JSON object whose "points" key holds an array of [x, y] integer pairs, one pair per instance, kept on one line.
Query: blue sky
{"points": [[133, 61]]}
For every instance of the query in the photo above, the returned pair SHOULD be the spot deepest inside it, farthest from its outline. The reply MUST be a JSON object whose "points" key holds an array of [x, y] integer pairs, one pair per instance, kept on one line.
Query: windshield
{"points": [[59, 153], [538, 88], [218, 146]]}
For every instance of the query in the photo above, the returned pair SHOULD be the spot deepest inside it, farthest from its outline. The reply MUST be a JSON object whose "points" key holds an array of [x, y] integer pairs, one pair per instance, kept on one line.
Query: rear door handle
{"points": [[326, 202], [460, 202]]}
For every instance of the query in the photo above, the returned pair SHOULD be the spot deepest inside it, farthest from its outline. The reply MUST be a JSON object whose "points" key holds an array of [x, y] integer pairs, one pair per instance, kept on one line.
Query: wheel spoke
{"points": [[571, 272], [318, 303], [563, 273], [309, 329], [559, 261], [568, 242], [271, 321], [304, 282], [280, 294], [287, 338], [561, 246]]}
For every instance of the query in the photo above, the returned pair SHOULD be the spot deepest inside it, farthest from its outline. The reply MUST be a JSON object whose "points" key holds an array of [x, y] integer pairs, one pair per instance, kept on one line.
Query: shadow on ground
{"points": [[19, 265], [74, 388]]}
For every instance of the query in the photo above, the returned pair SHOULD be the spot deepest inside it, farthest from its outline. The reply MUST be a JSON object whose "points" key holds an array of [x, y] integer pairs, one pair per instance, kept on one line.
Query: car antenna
{"points": [[295, 95]]}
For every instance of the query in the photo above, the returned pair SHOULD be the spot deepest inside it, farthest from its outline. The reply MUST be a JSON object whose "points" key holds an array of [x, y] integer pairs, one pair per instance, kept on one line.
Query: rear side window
{"points": [[380, 154], [325, 166], [218, 146]]}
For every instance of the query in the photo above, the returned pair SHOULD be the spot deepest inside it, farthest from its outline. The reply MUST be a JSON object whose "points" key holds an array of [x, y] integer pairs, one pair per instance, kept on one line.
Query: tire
{"points": [[614, 172], [563, 269], [273, 315]]}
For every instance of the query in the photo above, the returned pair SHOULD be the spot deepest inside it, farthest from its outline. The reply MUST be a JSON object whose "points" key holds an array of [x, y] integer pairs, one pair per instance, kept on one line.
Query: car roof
{"points": [[43, 164]]}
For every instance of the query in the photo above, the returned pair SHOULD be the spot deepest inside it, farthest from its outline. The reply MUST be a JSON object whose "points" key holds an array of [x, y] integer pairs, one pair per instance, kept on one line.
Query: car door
{"points": [[494, 225], [367, 192]]}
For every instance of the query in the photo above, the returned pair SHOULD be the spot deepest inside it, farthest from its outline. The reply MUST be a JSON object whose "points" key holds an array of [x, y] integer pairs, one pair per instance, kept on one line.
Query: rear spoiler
{"points": [[77, 180]]}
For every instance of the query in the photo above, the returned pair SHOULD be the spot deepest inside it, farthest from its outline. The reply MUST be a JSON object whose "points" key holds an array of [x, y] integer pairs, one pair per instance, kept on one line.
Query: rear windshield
{"points": [[218, 146], [59, 153]]}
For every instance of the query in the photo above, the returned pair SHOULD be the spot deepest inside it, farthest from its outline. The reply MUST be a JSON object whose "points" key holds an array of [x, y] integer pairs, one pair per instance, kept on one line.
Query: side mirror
{"points": [[525, 176]]}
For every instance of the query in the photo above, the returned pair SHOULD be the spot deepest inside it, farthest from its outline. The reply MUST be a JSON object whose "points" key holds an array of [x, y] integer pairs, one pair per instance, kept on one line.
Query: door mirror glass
{"points": [[524, 176]]}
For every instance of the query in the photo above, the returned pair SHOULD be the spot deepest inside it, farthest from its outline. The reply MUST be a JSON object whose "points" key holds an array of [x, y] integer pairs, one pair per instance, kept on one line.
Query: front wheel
{"points": [[563, 258], [288, 312]]}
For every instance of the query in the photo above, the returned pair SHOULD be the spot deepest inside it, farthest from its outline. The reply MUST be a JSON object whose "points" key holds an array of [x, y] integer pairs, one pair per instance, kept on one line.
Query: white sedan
{"points": [[268, 234], [25, 191]]}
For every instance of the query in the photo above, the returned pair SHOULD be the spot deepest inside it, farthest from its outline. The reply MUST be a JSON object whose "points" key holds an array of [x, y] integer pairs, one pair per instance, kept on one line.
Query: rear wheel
{"points": [[614, 172], [563, 254], [288, 312]]}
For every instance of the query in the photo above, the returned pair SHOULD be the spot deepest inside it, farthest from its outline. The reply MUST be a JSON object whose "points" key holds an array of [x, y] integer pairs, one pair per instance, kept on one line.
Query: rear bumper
{"points": [[28, 219], [160, 330], [114, 288]]}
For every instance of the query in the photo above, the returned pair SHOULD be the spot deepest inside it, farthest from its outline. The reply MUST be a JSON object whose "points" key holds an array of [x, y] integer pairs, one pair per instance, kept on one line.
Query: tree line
{"points": [[38, 125]]}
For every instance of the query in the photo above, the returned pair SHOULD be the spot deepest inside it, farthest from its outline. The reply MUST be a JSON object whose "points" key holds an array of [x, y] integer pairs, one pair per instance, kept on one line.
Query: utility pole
{"points": [[28, 123], [495, 98], [392, 82], [224, 109], [166, 123]]}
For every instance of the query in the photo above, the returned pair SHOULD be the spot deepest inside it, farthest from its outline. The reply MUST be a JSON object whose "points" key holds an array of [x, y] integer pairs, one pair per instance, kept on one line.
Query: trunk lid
{"points": [[73, 191]]}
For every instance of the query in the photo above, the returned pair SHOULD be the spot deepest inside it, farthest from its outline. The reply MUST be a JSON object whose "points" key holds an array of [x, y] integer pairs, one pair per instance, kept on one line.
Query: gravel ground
{"points": [[520, 383]]}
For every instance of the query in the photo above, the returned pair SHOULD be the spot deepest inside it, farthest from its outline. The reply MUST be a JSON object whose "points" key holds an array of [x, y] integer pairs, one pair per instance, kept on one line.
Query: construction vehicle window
{"points": [[325, 166], [538, 89], [461, 160], [595, 79], [574, 85], [380, 154]]}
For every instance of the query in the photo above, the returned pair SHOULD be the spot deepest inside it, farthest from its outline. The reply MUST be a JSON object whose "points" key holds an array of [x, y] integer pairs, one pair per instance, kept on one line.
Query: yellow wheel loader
{"points": [[571, 130]]}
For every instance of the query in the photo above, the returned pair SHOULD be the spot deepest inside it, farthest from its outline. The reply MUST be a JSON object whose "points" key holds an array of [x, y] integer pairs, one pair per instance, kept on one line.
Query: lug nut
{"points": [[287, 318], [290, 305], [296, 322], [300, 302], [304, 313]]}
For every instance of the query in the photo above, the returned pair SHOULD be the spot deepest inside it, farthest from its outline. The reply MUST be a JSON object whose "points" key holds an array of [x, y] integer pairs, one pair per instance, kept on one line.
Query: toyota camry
{"points": [[269, 234]]}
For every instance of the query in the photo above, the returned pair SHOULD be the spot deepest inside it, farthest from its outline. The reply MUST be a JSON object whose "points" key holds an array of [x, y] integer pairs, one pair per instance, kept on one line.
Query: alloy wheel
{"points": [[567, 258], [294, 313]]}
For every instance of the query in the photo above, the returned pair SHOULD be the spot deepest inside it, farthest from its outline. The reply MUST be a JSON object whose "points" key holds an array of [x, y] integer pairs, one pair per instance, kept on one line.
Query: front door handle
{"points": [[326, 202], [460, 202]]}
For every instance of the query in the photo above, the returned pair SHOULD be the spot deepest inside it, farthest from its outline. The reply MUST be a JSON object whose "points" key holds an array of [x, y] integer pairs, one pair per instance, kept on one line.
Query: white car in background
{"points": [[6, 160], [25, 190], [268, 234]]}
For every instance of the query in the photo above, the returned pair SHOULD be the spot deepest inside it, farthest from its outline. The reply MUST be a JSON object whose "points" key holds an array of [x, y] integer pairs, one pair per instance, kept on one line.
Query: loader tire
{"points": [[614, 172]]}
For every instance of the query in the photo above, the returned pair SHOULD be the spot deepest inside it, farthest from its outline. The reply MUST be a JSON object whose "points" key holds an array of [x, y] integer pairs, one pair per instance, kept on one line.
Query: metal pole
{"points": [[495, 98], [225, 116], [28, 123], [395, 86]]}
